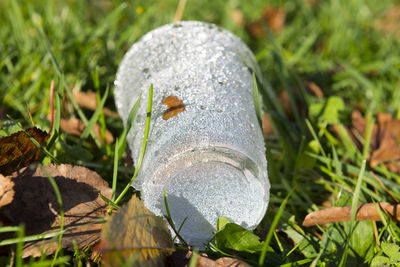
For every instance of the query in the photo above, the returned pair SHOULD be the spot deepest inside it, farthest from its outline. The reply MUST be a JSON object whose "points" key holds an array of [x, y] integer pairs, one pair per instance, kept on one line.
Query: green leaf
{"points": [[221, 223], [235, 237], [362, 238], [327, 110], [303, 160], [379, 261], [390, 249], [9, 127], [297, 234]]}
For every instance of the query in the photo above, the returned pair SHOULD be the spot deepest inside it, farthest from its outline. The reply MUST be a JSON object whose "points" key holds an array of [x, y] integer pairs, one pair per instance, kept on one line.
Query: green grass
{"points": [[334, 44]]}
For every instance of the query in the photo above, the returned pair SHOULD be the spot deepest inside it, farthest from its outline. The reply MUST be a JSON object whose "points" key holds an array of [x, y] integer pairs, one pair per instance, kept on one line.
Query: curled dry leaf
{"points": [[76, 127], [174, 105], [314, 89], [35, 204], [273, 16], [89, 100], [17, 150], [135, 233], [6, 190], [341, 214]]}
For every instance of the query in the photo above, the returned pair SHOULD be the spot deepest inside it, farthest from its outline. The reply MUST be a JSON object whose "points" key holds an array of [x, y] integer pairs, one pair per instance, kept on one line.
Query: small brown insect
{"points": [[174, 104]]}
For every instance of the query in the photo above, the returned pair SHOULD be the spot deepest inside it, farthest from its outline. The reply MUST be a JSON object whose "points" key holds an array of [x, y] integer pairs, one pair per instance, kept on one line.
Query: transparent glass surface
{"points": [[209, 158]]}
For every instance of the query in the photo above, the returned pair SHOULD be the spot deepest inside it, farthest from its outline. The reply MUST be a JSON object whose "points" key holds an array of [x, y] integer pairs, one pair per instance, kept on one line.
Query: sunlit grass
{"points": [[334, 44]]}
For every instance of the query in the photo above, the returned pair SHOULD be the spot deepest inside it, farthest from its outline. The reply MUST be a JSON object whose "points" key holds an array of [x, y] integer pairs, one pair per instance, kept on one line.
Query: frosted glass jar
{"points": [[210, 157]]}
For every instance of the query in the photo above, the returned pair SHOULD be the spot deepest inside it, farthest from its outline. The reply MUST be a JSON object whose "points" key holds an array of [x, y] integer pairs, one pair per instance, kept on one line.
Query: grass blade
{"points": [[354, 205], [271, 230], [115, 170], [144, 144], [60, 204], [93, 119], [256, 98], [129, 124]]}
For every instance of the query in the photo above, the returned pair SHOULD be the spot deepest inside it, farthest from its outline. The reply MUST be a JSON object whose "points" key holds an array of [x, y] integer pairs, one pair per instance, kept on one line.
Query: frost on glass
{"points": [[210, 158]]}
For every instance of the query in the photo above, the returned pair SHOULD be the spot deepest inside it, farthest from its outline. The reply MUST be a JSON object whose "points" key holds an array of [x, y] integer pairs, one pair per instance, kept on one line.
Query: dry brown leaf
{"points": [[384, 145], [6, 190], [236, 16], [389, 136], [35, 204], [341, 214], [182, 258], [203, 261], [134, 231], [266, 125], [389, 23], [76, 127], [17, 150], [230, 262], [315, 89], [284, 101], [274, 17], [174, 105], [89, 100]]}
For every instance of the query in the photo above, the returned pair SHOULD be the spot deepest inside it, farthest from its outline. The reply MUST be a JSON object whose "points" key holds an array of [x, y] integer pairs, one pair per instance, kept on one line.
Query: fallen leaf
{"points": [[389, 136], [231, 262], [266, 125], [315, 89], [6, 190], [203, 261], [274, 17], [76, 127], [358, 131], [389, 22], [35, 205], [341, 214], [384, 145], [88, 100], [174, 105], [236, 16], [182, 258], [284, 101], [17, 150], [135, 233]]}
